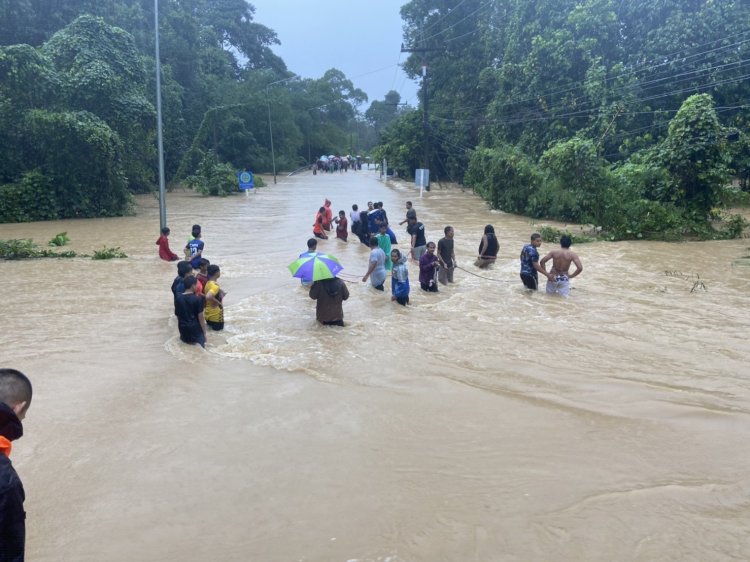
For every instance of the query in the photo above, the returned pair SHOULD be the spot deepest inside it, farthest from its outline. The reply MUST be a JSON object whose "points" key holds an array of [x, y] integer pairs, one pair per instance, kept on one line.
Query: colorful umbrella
{"points": [[315, 267]]}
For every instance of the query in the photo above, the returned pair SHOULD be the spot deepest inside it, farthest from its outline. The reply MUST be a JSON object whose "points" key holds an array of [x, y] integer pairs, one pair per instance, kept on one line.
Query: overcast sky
{"points": [[362, 38]]}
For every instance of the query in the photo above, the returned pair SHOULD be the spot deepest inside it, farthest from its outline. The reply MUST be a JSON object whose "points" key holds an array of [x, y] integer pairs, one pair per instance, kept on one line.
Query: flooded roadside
{"points": [[481, 423]]}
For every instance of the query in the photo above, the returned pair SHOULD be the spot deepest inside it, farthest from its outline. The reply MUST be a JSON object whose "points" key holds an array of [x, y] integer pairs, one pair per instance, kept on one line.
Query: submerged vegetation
{"points": [[20, 249], [108, 254], [27, 249]]}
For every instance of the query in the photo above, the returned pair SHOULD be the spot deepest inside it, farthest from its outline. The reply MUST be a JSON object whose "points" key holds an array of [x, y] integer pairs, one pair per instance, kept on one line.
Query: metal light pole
{"points": [[159, 137], [270, 133], [270, 126]]}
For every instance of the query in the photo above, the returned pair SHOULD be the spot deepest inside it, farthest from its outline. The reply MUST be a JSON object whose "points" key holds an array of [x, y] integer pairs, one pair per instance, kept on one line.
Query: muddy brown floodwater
{"points": [[479, 423]]}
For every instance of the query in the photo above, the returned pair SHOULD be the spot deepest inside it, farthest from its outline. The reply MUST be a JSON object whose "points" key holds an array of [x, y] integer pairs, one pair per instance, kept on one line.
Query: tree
{"points": [[103, 73], [381, 113], [694, 154]]}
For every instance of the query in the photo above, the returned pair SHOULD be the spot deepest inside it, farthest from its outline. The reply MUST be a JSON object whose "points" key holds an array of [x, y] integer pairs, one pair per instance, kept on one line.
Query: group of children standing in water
{"points": [[198, 298]]}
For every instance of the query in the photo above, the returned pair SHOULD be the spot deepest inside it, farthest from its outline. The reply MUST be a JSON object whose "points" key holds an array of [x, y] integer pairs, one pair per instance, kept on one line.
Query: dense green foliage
{"points": [[614, 113], [77, 103], [214, 177]]}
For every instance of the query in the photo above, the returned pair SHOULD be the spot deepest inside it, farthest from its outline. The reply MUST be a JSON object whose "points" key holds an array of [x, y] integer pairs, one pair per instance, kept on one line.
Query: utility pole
{"points": [[425, 120], [159, 136], [270, 125]]}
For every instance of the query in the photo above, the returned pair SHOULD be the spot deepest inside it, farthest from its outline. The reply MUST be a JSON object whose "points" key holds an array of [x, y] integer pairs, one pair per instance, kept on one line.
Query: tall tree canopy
{"points": [[539, 83], [85, 69]]}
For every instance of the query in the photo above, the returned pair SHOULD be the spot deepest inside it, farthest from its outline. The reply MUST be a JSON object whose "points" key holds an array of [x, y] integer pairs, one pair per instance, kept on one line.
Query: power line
{"points": [[580, 86], [524, 117], [450, 12], [481, 7], [425, 39]]}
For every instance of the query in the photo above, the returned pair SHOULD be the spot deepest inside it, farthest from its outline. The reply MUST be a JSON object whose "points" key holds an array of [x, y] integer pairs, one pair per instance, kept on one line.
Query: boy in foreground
{"points": [[15, 398]]}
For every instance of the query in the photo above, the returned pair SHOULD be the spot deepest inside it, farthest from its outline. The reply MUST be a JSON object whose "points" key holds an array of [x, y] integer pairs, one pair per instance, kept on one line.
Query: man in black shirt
{"points": [[418, 240], [190, 320]]}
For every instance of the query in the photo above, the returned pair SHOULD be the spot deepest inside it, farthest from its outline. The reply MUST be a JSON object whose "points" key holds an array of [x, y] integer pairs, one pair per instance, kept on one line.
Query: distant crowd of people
{"points": [[335, 163]]}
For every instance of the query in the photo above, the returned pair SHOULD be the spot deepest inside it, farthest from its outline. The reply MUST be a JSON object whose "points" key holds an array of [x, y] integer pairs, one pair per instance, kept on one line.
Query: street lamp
{"points": [[270, 126], [160, 140]]}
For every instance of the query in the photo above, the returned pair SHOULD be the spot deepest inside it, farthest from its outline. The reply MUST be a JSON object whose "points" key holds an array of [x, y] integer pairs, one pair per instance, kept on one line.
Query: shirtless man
{"points": [[558, 279]]}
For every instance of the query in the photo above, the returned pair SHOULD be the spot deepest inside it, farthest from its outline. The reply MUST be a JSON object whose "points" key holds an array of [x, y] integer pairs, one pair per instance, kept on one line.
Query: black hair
{"points": [[322, 210], [165, 231], [189, 282], [489, 229], [15, 387], [447, 229], [204, 261], [184, 267], [196, 230], [342, 213], [535, 236], [373, 242], [409, 203], [332, 286], [312, 243], [565, 241], [354, 207], [213, 270]]}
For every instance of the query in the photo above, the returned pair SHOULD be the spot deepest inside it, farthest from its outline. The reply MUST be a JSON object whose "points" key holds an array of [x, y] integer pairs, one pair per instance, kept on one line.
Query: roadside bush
{"points": [[551, 234], [505, 177], [32, 198], [214, 177], [82, 156], [579, 180]]}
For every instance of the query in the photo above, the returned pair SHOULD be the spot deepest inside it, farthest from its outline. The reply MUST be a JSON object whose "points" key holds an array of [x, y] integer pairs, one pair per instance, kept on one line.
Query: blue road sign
{"points": [[245, 180]]}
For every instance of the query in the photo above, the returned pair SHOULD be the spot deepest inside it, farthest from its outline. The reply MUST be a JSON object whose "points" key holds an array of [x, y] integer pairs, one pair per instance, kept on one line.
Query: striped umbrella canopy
{"points": [[315, 267]]}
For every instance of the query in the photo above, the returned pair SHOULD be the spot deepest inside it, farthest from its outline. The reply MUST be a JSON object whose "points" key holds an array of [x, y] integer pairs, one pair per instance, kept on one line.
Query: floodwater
{"points": [[479, 423]]}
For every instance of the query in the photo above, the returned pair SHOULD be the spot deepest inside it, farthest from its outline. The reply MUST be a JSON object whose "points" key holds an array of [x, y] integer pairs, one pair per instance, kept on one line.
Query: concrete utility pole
{"points": [[425, 121], [159, 137]]}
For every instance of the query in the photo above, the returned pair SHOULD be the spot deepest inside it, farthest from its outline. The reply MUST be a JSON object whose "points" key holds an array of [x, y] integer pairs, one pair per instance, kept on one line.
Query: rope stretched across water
{"points": [[356, 278], [483, 277]]}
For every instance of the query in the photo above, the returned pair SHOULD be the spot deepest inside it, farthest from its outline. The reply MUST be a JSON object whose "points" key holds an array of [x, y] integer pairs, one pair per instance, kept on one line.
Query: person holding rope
{"points": [[399, 278], [488, 248], [530, 267], [418, 240], [446, 256], [428, 269], [558, 279], [376, 270]]}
